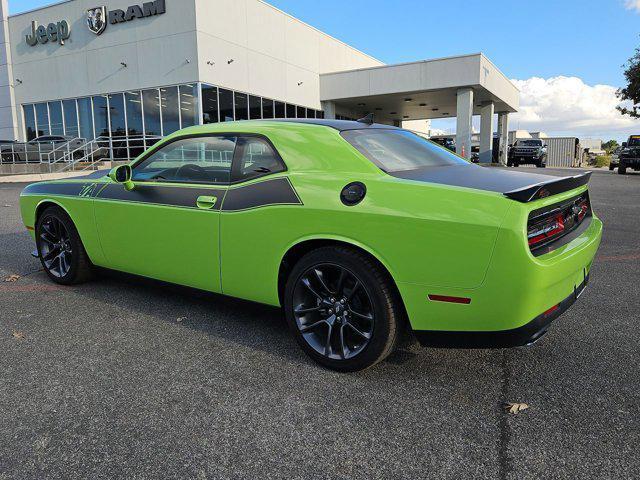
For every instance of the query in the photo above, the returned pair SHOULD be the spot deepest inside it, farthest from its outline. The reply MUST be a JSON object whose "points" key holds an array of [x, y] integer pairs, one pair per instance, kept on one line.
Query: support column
{"points": [[8, 118], [464, 114], [486, 133], [503, 133], [329, 110]]}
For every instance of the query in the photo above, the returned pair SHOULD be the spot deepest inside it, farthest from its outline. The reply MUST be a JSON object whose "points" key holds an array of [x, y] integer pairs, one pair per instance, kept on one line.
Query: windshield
{"points": [[398, 150], [529, 143], [634, 142]]}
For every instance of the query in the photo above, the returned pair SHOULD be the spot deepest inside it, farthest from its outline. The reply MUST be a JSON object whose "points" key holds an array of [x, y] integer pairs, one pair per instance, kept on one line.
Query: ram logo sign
{"points": [[98, 18]]}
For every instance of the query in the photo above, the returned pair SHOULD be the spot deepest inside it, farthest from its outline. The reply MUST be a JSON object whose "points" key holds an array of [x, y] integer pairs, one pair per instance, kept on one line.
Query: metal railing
{"points": [[76, 153], [103, 150]]}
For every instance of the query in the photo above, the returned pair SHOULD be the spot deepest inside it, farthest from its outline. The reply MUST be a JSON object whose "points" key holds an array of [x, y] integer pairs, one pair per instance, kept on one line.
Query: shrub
{"points": [[602, 161]]}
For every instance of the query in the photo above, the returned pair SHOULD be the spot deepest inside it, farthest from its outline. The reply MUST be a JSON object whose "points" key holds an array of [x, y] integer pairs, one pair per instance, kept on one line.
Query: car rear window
{"points": [[400, 150]]}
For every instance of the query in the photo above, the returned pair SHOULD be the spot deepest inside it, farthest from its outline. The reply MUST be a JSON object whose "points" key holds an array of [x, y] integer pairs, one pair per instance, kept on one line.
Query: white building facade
{"points": [[133, 71]]}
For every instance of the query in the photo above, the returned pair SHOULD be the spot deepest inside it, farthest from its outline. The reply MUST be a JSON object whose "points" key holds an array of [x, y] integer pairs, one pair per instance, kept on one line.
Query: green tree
{"points": [[631, 92], [610, 146]]}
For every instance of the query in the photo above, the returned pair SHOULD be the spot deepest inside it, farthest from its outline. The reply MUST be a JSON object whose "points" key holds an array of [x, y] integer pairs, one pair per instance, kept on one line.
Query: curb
{"points": [[40, 177]]}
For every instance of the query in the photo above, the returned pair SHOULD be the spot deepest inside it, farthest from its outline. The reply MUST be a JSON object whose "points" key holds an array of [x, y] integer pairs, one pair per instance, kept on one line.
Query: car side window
{"points": [[257, 158], [190, 160]]}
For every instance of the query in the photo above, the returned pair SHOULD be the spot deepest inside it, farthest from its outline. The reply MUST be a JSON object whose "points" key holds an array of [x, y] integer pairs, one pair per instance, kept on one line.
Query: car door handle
{"points": [[206, 203]]}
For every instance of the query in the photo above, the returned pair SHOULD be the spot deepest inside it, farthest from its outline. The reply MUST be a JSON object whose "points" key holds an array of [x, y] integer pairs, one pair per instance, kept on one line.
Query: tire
{"points": [[60, 248], [622, 169], [611, 167], [372, 309]]}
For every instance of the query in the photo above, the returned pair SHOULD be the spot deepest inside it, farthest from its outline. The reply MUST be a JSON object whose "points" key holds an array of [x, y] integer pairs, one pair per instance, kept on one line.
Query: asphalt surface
{"points": [[126, 378]]}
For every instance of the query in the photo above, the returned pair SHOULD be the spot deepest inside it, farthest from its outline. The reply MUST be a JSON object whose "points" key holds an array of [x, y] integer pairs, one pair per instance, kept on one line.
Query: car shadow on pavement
{"points": [[243, 322]]}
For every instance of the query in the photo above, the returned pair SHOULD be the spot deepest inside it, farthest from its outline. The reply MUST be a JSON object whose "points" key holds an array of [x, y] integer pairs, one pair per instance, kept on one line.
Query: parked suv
{"points": [[629, 156], [42, 149], [528, 151]]}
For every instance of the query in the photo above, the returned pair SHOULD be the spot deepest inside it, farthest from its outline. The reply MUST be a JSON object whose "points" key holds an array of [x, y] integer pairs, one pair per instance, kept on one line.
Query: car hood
{"points": [[497, 179]]}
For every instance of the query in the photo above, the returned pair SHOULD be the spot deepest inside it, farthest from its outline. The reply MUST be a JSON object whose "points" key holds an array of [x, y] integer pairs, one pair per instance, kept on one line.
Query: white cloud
{"points": [[568, 106], [632, 5]]}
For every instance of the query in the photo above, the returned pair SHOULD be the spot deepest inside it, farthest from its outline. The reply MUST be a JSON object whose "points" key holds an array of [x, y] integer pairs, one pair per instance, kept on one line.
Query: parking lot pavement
{"points": [[126, 378]]}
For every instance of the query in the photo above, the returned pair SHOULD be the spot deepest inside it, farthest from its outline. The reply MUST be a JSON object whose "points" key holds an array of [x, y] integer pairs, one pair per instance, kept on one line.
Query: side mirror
{"points": [[122, 174]]}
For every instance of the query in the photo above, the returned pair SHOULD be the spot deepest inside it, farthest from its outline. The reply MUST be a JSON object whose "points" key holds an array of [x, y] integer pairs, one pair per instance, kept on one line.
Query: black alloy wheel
{"points": [[333, 311], [60, 249], [56, 251], [343, 308]]}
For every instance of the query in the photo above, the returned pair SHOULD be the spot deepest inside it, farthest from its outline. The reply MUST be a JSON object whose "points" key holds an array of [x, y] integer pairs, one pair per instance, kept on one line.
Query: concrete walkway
{"points": [[40, 177]]}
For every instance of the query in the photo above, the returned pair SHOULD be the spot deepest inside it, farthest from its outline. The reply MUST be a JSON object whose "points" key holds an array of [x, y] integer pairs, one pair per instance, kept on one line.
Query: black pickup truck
{"points": [[629, 156], [530, 150]]}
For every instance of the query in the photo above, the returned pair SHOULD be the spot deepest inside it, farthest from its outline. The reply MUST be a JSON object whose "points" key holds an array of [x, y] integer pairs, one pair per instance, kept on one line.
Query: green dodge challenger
{"points": [[360, 231]]}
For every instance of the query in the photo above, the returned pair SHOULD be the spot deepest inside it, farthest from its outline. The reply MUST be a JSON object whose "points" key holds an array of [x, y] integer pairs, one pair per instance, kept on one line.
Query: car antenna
{"points": [[368, 119]]}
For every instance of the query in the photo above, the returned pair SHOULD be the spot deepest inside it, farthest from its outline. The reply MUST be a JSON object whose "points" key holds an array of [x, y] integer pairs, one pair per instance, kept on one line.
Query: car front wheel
{"points": [[343, 308], [60, 249]]}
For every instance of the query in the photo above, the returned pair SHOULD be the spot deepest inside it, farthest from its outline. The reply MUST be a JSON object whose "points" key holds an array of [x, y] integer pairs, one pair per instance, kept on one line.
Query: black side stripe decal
{"points": [[79, 189], [278, 191], [161, 195]]}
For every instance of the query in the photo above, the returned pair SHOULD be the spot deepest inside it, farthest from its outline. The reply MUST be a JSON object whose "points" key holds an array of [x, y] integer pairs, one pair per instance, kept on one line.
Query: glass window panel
{"points": [[210, 104], [226, 105], [151, 104], [255, 108], [86, 118], [301, 112], [70, 118], [189, 105], [117, 115], [118, 126], [133, 107], [258, 159], [192, 160], [101, 115], [319, 114], [311, 113], [267, 108], [291, 111], [134, 113], [55, 118], [170, 110], [241, 106], [42, 119], [29, 123], [280, 110]]}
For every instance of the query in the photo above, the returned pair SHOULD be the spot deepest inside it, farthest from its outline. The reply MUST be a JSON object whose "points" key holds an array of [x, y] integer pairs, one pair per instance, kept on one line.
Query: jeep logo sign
{"points": [[54, 32], [97, 22]]}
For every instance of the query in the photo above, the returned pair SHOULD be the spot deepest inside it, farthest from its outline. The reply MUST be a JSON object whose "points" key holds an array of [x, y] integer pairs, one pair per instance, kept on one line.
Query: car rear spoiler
{"points": [[547, 189]]}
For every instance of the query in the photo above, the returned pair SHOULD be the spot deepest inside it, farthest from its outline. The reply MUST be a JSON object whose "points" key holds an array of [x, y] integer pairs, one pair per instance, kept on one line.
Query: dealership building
{"points": [[138, 71]]}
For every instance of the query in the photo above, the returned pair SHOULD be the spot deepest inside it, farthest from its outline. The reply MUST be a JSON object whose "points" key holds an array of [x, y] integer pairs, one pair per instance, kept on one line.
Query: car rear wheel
{"points": [[60, 249], [343, 309]]}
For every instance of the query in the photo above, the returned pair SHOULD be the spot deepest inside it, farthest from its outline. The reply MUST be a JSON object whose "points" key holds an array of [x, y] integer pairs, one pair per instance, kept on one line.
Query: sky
{"points": [[565, 56]]}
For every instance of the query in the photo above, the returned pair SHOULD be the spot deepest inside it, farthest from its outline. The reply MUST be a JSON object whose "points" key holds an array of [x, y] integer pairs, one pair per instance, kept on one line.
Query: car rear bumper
{"points": [[516, 337], [517, 289]]}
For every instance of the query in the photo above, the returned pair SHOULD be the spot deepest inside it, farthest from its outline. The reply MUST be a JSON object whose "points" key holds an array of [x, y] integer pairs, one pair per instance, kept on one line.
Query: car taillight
{"points": [[544, 232], [549, 224]]}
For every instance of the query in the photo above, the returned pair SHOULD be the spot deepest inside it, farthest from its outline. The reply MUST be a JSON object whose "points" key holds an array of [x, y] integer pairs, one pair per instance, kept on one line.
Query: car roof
{"points": [[340, 125]]}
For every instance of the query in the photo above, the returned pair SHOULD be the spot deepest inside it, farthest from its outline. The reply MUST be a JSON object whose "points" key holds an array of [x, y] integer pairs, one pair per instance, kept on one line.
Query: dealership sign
{"points": [[54, 33], [98, 18]]}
